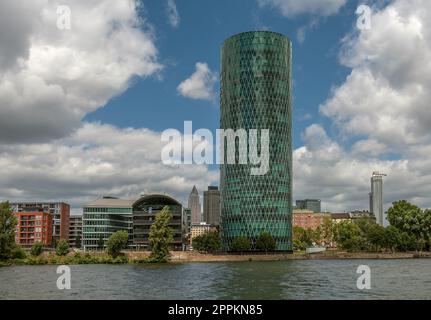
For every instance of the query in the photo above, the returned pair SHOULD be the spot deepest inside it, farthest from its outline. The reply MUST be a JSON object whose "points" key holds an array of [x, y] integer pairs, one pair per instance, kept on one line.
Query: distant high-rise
{"points": [[212, 206], [256, 94], [195, 205], [376, 197], [309, 204]]}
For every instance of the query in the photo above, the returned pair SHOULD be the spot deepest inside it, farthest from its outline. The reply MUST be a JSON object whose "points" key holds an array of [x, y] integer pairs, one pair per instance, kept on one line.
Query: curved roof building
{"points": [[256, 94], [144, 213]]}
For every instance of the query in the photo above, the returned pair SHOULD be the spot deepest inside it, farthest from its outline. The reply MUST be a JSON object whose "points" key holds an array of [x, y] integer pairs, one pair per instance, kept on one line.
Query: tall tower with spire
{"points": [[195, 205]]}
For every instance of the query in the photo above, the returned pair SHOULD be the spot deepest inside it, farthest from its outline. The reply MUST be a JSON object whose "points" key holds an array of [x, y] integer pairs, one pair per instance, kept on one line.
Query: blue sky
{"points": [[155, 103]]}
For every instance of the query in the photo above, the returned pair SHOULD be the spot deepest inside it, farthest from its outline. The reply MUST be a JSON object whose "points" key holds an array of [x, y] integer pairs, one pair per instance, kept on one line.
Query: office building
{"points": [[376, 198], [194, 205], [144, 214], [33, 226], [60, 212], [256, 94], [212, 206], [75, 231], [103, 217], [309, 204]]}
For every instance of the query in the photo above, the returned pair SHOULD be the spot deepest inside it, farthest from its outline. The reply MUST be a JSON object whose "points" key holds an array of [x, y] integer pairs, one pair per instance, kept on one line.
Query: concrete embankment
{"points": [[192, 256]]}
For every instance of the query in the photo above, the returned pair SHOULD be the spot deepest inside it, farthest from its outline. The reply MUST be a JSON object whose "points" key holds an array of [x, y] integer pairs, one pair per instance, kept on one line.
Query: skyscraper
{"points": [[376, 197], [195, 205], [309, 204], [256, 94], [212, 206]]}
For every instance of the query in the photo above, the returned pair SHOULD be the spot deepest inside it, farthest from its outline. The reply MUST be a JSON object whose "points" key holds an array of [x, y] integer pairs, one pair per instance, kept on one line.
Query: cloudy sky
{"points": [[82, 109]]}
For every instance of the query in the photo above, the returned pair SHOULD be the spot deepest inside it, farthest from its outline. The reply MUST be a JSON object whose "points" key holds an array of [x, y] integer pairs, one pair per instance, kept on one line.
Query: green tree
{"points": [[62, 248], [265, 242], [78, 241], [375, 235], [207, 242], [8, 223], [100, 242], [161, 235], [328, 230], [117, 242], [408, 242], [36, 249], [391, 238], [348, 236], [240, 243], [409, 218]]}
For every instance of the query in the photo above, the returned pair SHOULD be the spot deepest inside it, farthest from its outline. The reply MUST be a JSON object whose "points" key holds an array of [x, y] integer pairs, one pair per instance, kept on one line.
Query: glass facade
{"points": [[102, 221], [256, 94]]}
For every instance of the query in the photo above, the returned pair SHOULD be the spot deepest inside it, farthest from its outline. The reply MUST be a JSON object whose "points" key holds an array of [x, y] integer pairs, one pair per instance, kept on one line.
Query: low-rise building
{"points": [[307, 219], [34, 226], [199, 229], [340, 217]]}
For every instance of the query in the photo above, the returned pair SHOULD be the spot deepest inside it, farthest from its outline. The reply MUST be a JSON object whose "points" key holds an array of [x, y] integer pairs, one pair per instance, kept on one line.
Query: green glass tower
{"points": [[256, 94]]}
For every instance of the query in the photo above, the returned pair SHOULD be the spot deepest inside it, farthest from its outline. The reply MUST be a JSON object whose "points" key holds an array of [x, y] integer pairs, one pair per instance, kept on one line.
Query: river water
{"points": [[303, 279]]}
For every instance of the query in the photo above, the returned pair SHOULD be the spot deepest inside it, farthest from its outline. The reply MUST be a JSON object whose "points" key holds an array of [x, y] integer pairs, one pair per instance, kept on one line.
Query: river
{"points": [[294, 279]]}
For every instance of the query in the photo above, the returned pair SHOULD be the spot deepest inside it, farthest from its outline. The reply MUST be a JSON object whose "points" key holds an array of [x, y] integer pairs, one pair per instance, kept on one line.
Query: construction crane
{"points": [[378, 174]]}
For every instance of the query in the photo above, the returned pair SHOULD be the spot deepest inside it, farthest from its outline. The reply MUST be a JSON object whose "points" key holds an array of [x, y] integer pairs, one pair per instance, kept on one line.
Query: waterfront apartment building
{"points": [[212, 206], [309, 204], [34, 226], [194, 204], [256, 93], [307, 219], [145, 210], [103, 217], [60, 212], [75, 231]]}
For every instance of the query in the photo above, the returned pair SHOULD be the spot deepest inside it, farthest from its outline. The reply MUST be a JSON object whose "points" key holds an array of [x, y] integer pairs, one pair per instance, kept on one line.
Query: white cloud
{"points": [[384, 102], [51, 78], [387, 94], [292, 8], [200, 85], [96, 160], [173, 15]]}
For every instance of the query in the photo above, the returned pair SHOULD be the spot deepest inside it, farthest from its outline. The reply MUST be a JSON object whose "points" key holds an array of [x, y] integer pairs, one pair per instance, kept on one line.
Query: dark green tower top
{"points": [[256, 94]]}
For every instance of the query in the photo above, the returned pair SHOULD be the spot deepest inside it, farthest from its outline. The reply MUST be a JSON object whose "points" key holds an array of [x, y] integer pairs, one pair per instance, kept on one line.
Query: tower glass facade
{"points": [[256, 94]]}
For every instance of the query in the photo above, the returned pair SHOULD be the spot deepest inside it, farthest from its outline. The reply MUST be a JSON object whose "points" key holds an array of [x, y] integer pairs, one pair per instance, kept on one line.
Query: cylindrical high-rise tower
{"points": [[256, 94]]}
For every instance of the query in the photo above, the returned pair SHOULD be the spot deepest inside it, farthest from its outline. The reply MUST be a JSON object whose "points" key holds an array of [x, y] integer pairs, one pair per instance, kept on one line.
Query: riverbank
{"points": [[184, 257], [137, 257]]}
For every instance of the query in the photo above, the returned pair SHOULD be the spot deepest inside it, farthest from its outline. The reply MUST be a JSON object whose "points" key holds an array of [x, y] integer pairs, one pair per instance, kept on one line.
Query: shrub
{"points": [[266, 242], [36, 249], [18, 252], [240, 244], [62, 248]]}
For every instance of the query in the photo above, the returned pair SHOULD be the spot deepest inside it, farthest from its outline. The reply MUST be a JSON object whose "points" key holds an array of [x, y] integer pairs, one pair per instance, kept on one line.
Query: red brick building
{"points": [[33, 227], [59, 211], [307, 219]]}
